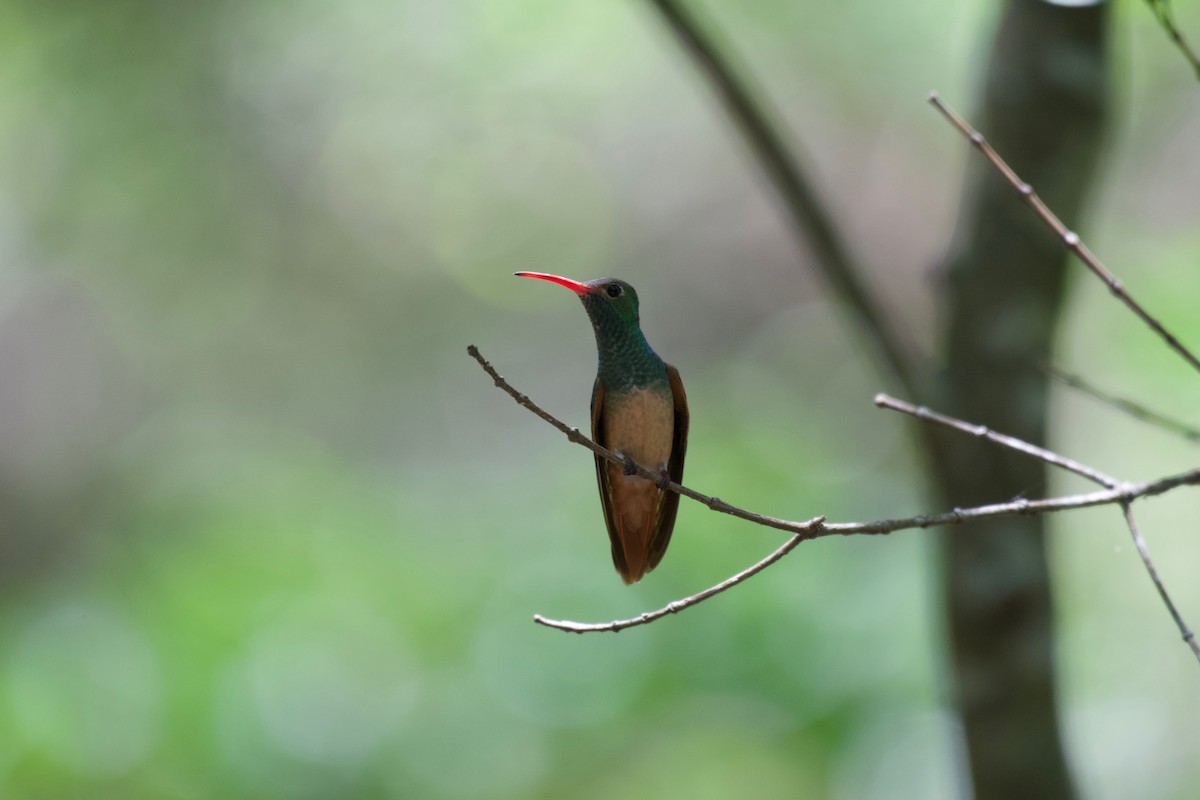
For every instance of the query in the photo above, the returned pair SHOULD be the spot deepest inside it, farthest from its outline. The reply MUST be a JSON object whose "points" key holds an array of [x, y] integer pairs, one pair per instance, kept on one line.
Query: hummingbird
{"points": [[640, 412]]}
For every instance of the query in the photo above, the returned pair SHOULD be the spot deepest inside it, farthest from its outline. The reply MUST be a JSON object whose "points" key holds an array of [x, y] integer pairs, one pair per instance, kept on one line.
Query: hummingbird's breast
{"points": [[641, 423]]}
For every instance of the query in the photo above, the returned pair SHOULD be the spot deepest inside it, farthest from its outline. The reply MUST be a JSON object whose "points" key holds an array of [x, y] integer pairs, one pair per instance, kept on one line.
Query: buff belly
{"points": [[640, 425]]}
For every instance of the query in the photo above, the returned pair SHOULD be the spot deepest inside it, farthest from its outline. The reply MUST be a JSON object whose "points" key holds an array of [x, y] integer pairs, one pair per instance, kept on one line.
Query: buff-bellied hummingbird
{"points": [[639, 411]]}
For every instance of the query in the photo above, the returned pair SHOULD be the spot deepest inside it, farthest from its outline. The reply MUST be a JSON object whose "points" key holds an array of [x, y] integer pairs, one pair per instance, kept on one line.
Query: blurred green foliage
{"points": [[267, 532]]}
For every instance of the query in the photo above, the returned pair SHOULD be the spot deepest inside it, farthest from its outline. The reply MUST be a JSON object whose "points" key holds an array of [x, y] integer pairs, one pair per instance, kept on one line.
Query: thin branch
{"points": [[1011, 442], [1140, 543], [1135, 410], [920, 412], [1069, 238], [1166, 18], [1126, 492], [678, 605], [1073, 243], [810, 222], [816, 528]]}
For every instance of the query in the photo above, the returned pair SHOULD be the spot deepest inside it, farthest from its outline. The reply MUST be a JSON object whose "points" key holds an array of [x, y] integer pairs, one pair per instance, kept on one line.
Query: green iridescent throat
{"points": [[626, 360]]}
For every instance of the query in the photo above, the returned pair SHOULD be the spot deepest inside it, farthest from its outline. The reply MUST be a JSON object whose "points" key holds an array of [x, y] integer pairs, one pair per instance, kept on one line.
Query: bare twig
{"points": [[678, 605], [1073, 243], [1135, 410], [1166, 18], [1018, 507], [883, 401], [809, 529], [807, 214], [1069, 238], [819, 529], [815, 528], [1140, 543], [1011, 442]]}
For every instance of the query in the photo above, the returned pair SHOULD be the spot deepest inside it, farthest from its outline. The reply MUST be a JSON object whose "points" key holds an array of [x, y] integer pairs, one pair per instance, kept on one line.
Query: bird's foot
{"points": [[664, 478], [630, 467]]}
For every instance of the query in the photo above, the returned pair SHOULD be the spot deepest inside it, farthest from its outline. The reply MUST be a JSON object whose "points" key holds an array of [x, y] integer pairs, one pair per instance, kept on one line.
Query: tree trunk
{"points": [[1043, 109]]}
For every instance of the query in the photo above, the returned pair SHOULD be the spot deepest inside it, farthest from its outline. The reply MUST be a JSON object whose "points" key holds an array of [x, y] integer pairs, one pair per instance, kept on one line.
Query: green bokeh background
{"points": [[268, 532]]}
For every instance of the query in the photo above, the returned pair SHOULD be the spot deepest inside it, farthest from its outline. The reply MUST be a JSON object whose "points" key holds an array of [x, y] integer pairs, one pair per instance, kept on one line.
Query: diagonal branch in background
{"points": [[1069, 238], [1117, 492], [809, 220], [1135, 410], [922, 413], [1166, 18]]}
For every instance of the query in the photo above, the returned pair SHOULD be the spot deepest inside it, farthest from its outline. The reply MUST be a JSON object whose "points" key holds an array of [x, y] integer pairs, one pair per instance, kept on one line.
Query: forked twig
{"points": [[815, 529], [883, 401], [1073, 243], [1117, 492], [1069, 238]]}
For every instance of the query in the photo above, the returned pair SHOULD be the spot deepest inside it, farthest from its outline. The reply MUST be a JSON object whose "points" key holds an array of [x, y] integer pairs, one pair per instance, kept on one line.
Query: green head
{"points": [[612, 305]]}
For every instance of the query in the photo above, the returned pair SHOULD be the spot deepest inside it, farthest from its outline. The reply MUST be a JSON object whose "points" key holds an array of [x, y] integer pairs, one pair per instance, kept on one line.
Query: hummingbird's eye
{"points": [[614, 290]]}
